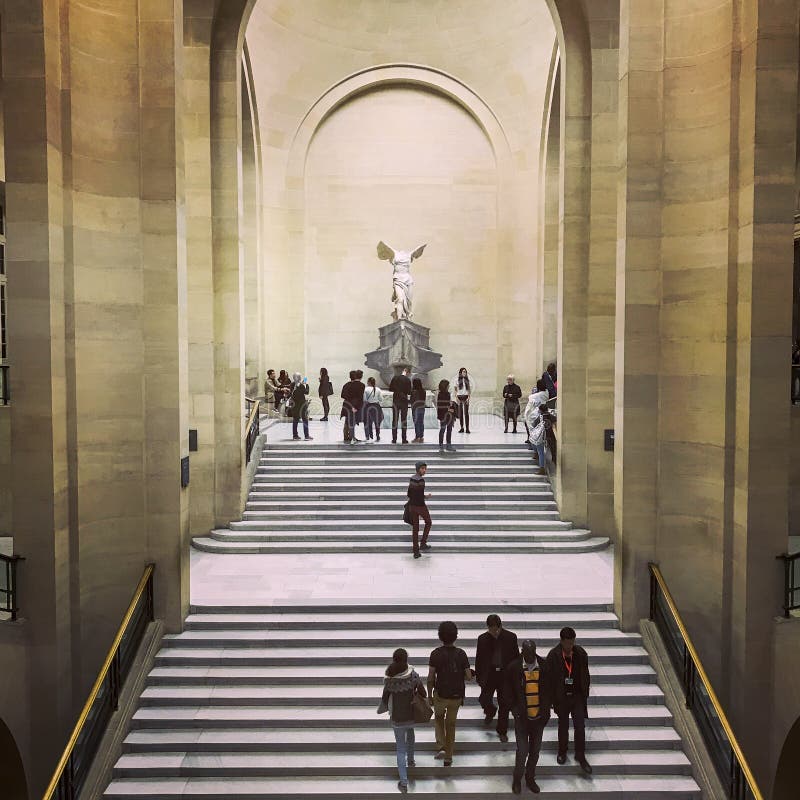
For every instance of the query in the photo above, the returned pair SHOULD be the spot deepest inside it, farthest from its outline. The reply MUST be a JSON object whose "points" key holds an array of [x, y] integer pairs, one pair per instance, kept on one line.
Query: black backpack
{"points": [[450, 677]]}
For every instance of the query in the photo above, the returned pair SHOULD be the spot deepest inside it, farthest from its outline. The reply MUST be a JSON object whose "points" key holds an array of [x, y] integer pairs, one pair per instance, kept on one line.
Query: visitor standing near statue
{"points": [[418, 399], [446, 411], [372, 411], [400, 387], [463, 390], [569, 666], [511, 396], [530, 694], [497, 648], [298, 402], [271, 389], [325, 391], [417, 507], [352, 400]]}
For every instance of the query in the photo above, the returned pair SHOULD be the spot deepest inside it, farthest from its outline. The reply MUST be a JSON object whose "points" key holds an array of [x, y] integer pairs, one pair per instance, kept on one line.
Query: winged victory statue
{"points": [[402, 280]]}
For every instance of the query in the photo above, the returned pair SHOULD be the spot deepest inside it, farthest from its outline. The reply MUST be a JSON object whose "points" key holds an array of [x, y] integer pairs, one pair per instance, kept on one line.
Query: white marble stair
{"points": [[308, 498], [279, 702]]}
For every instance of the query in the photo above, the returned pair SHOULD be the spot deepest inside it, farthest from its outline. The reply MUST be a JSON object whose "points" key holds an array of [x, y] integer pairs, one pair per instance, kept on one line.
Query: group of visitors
{"points": [[361, 404], [526, 684]]}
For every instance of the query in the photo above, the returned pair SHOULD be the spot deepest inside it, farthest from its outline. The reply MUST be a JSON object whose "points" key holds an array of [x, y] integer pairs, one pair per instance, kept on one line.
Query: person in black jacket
{"points": [[568, 664], [529, 690], [400, 387], [511, 396], [446, 412], [400, 685], [325, 391], [418, 508], [497, 648], [299, 405], [353, 396]]}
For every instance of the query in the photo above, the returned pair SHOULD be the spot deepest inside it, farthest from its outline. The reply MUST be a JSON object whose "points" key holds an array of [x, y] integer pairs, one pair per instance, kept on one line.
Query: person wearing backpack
{"points": [[448, 672], [400, 685]]}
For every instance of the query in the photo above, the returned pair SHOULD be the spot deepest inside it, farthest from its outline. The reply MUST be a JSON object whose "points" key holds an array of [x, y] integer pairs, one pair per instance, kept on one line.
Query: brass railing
{"points": [[791, 590], [701, 699], [9, 602], [252, 430], [103, 700]]}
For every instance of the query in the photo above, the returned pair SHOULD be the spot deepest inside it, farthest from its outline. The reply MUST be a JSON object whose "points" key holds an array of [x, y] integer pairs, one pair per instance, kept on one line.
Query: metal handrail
{"points": [[657, 578], [252, 430], [145, 584], [10, 591], [791, 582]]}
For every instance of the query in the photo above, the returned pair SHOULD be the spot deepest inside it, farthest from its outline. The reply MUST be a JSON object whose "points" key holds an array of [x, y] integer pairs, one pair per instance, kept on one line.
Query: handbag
{"points": [[421, 708], [407, 514]]}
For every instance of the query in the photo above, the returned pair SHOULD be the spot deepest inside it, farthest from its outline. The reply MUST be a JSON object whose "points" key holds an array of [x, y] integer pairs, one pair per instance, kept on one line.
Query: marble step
{"points": [[175, 715], [512, 447], [362, 495], [379, 506], [188, 764], [276, 482], [265, 666], [323, 739], [545, 638], [337, 652], [209, 545], [371, 511], [360, 697], [395, 524], [612, 787], [399, 537]]}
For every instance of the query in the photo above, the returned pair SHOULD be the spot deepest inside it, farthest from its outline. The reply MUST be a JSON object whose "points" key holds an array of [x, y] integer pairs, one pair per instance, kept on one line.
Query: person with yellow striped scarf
{"points": [[529, 690]]}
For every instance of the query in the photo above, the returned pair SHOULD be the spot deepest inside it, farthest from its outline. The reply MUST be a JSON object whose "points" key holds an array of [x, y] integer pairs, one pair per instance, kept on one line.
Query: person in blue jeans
{"points": [[418, 397], [400, 685]]}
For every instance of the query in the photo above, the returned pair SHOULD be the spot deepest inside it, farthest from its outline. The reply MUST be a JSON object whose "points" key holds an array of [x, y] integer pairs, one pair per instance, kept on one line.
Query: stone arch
{"points": [[15, 785], [396, 74], [787, 775]]}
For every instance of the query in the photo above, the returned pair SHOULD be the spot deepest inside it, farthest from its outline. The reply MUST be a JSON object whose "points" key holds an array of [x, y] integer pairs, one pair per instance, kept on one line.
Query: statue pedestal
{"points": [[404, 344]]}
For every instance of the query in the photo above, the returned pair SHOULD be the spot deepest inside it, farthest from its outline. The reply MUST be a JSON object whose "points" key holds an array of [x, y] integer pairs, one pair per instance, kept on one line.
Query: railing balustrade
{"points": [[791, 592], [9, 601], [253, 429], [75, 763], [724, 749]]}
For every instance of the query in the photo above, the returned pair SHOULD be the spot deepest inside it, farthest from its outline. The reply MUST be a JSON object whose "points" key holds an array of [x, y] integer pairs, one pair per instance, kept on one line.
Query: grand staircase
{"points": [[280, 702], [309, 498]]}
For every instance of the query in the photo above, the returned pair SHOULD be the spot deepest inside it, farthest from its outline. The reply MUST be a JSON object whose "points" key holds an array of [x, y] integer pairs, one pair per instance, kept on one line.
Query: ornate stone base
{"points": [[404, 344]]}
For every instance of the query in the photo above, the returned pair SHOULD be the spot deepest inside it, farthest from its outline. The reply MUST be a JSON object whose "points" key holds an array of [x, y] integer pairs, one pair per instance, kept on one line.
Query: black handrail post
{"points": [[653, 586]]}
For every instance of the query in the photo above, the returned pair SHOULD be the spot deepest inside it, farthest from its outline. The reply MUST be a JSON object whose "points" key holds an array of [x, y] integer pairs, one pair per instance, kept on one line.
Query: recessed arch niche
{"points": [[14, 783], [403, 162]]}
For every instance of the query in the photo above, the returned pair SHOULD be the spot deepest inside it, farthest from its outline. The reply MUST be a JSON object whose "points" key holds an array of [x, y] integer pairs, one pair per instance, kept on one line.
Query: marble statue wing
{"points": [[418, 252], [385, 253]]}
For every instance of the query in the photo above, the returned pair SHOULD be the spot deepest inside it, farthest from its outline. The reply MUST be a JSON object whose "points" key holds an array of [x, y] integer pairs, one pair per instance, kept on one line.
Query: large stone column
{"points": [[35, 263], [638, 299]]}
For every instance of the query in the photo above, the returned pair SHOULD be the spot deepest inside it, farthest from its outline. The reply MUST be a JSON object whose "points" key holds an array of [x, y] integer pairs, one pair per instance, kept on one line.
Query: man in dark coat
{"points": [[353, 397], [400, 387], [497, 648], [529, 691], [568, 664]]}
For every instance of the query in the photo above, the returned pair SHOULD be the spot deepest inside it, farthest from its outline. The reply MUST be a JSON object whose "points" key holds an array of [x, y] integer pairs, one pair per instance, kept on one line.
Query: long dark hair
{"points": [[463, 382], [416, 383], [399, 663], [323, 374], [444, 386]]}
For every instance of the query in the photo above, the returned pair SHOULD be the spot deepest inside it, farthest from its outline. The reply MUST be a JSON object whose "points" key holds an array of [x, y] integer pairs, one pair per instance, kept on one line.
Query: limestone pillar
{"points": [[35, 264], [638, 299]]}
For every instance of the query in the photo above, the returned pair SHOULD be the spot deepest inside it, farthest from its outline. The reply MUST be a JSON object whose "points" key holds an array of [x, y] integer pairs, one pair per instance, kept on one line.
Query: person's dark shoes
{"points": [[532, 785], [411, 762], [450, 449], [489, 716], [503, 737], [516, 786], [377, 438], [515, 430], [425, 546], [309, 438], [394, 441], [417, 554], [403, 787], [461, 430], [296, 438], [448, 762], [323, 419], [561, 759], [468, 430], [585, 765], [506, 430]]}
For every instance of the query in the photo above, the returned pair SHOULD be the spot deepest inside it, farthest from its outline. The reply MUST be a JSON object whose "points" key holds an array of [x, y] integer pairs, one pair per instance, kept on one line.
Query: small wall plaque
{"points": [[192, 440], [609, 439]]}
